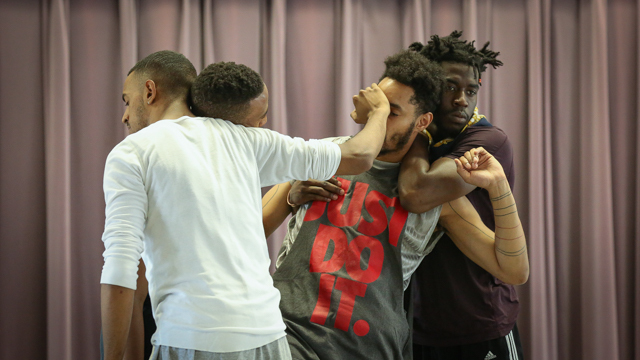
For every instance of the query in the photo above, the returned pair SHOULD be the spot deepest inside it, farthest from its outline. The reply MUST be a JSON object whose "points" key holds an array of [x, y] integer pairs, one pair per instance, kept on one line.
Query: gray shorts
{"points": [[275, 350]]}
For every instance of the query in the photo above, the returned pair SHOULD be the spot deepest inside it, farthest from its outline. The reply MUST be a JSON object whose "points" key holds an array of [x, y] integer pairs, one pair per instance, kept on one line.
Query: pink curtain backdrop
{"points": [[568, 96]]}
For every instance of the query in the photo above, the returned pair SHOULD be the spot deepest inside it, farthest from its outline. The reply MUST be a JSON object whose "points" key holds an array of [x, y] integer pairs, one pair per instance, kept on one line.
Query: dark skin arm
{"points": [[116, 309], [135, 343], [274, 203], [422, 186]]}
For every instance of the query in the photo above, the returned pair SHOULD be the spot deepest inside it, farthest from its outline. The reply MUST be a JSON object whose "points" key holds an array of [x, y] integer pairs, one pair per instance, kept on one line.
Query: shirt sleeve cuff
{"points": [[120, 272]]}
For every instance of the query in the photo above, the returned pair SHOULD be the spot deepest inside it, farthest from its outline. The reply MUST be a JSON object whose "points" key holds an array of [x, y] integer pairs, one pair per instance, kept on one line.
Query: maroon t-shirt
{"points": [[457, 302]]}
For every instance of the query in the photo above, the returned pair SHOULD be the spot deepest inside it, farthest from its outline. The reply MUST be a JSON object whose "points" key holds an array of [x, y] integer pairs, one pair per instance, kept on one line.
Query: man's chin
{"points": [[455, 124], [457, 121]]}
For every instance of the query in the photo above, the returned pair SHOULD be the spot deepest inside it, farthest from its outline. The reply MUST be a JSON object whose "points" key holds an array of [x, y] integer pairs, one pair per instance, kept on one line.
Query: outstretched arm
{"points": [[503, 253], [422, 186], [359, 152]]}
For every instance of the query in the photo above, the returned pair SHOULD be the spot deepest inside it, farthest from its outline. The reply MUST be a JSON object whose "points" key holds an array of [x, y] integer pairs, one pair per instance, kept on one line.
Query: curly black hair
{"points": [[172, 73], [425, 77], [223, 90], [451, 48]]}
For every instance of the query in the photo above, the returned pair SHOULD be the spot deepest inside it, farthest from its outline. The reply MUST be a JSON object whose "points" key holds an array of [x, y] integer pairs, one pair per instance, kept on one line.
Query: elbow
{"points": [[524, 277], [364, 164], [356, 164], [415, 194], [516, 278], [407, 198], [411, 201]]}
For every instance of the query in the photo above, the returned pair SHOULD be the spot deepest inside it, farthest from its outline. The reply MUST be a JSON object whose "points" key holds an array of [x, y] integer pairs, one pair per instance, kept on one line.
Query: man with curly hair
{"points": [[226, 90], [349, 254], [183, 193], [462, 311]]}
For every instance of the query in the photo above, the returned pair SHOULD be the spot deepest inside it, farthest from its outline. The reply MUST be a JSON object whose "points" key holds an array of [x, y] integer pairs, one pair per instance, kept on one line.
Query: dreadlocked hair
{"points": [[451, 48], [425, 77]]}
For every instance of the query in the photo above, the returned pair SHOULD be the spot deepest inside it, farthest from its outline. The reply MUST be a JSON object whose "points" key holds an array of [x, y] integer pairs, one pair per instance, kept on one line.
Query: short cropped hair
{"points": [[223, 90], [452, 49], [424, 76], [172, 73]]}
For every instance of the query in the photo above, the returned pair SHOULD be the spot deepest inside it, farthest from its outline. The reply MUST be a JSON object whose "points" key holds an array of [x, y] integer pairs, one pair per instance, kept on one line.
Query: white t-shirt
{"points": [[187, 192]]}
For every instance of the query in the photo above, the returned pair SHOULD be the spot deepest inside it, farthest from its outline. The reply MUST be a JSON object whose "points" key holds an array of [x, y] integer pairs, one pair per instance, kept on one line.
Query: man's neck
{"points": [[174, 110], [435, 134]]}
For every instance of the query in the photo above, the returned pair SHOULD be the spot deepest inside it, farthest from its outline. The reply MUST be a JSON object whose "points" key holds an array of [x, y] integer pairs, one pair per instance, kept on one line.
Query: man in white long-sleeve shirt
{"points": [[184, 193]]}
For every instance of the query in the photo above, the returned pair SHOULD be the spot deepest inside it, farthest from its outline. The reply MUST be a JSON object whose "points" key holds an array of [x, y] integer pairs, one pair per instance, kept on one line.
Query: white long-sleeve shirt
{"points": [[187, 193]]}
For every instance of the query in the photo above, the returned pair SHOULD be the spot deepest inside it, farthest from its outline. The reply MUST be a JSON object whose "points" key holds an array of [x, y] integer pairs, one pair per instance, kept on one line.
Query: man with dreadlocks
{"points": [[347, 259], [461, 310]]}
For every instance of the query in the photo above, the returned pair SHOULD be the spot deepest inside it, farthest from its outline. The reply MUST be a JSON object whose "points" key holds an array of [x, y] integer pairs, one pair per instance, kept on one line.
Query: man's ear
{"points": [[423, 121], [150, 91]]}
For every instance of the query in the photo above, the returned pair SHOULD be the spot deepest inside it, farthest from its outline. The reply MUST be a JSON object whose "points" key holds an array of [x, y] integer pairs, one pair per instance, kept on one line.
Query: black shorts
{"points": [[505, 348]]}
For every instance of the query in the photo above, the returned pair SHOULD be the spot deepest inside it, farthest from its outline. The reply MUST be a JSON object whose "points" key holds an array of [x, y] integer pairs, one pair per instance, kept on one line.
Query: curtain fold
{"points": [[276, 23], [58, 181], [567, 96], [128, 21], [598, 303], [470, 18], [208, 53], [191, 32], [635, 327], [348, 61], [23, 229], [417, 21], [541, 296]]}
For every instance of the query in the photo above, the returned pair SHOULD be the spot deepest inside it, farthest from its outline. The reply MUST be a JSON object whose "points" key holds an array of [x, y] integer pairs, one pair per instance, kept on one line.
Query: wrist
{"points": [[498, 187], [292, 205], [382, 111], [293, 208]]}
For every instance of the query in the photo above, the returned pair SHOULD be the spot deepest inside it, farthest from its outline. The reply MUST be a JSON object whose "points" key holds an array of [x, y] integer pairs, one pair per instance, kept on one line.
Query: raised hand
{"points": [[314, 190], [479, 168], [368, 100]]}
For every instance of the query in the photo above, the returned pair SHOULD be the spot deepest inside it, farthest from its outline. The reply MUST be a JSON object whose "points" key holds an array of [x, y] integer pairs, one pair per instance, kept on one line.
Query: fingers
{"points": [[331, 186], [367, 100], [482, 154], [460, 168], [335, 182], [458, 164], [470, 159], [315, 190], [374, 96]]}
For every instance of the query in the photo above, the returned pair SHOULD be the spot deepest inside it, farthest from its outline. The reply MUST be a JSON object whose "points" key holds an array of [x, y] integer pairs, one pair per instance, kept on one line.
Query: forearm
{"points": [[116, 310], [135, 342], [275, 208], [479, 243], [422, 187], [510, 241], [134, 349], [359, 152]]}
